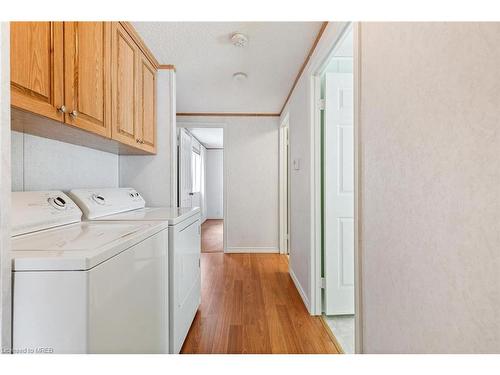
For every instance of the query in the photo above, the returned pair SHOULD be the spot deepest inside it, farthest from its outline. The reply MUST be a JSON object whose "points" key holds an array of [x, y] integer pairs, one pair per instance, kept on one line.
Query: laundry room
{"points": [[229, 184]]}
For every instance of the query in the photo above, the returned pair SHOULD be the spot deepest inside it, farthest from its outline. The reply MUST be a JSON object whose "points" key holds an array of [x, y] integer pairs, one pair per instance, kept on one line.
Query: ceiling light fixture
{"points": [[240, 76], [239, 40]]}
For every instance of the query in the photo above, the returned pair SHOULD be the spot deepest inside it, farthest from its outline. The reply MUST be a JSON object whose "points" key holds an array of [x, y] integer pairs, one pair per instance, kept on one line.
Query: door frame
{"points": [[316, 295], [284, 188], [5, 193], [222, 125]]}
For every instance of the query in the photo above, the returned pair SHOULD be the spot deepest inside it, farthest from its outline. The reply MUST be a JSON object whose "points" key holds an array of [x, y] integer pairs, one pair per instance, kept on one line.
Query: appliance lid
{"points": [[106, 201], [38, 210], [78, 246], [172, 215]]}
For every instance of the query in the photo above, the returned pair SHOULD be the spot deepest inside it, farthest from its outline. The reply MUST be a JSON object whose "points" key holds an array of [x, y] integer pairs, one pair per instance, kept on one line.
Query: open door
{"points": [[339, 194], [185, 174]]}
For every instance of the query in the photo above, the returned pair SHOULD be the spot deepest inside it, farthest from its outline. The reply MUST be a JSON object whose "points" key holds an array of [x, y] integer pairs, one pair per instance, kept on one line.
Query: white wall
{"points": [[301, 136], [5, 188], [251, 151], [430, 177], [214, 183], [152, 175], [45, 164]]}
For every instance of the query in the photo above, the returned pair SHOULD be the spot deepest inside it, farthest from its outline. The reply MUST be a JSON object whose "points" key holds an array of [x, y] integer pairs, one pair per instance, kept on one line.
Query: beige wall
{"points": [[151, 175], [5, 268], [430, 187], [301, 143]]}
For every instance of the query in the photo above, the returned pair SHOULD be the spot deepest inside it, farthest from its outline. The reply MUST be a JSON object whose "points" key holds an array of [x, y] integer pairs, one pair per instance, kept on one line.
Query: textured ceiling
{"points": [[205, 61], [209, 137]]}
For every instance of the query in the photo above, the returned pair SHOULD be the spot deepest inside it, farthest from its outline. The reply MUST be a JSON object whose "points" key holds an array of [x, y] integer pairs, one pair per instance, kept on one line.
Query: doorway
{"points": [[337, 150], [201, 179], [284, 184]]}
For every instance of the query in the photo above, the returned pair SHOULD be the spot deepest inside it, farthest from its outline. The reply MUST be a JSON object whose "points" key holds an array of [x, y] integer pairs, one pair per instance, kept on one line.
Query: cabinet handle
{"points": [[74, 113], [62, 109]]}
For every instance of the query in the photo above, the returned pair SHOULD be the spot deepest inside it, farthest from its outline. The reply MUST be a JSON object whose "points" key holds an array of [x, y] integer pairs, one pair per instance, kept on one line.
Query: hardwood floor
{"points": [[212, 236], [250, 305]]}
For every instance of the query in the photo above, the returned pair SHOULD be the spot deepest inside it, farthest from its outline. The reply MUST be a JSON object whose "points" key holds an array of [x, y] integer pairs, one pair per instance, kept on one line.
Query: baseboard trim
{"points": [[265, 250], [300, 290]]}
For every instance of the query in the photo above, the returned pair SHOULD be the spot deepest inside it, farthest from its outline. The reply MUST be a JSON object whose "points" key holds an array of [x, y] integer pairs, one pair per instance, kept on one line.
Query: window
{"points": [[196, 171]]}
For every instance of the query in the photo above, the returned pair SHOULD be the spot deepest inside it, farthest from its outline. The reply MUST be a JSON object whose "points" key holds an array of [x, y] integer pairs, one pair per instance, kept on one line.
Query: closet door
{"points": [[125, 98], [147, 105], [87, 58], [36, 60]]}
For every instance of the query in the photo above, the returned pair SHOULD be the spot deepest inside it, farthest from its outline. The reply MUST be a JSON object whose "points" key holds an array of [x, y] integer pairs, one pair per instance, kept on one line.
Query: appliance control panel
{"points": [[37, 210], [107, 201]]}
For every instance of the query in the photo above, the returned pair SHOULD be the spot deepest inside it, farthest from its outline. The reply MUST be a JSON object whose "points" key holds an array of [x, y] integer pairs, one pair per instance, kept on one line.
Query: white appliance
{"points": [[184, 247], [86, 287]]}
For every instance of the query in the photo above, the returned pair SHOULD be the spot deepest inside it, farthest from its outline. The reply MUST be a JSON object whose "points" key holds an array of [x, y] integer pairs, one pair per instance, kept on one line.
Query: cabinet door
{"points": [[147, 105], [36, 60], [87, 62], [125, 59]]}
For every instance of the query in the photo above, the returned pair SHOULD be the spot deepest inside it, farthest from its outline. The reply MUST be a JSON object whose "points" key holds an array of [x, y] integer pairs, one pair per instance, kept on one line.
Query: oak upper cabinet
{"points": [[125, 93], [133, 93], [91, 75], [87, 73], [147, 105], [37, 71]]}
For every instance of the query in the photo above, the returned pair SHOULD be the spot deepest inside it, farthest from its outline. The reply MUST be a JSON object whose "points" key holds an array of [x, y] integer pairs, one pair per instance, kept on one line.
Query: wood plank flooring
{"points": [[212, 236], [250, 305]]}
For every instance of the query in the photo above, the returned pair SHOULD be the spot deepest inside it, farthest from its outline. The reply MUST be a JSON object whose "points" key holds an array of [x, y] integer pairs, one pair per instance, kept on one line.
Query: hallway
{"points": [[212, 236], [250, 305]]}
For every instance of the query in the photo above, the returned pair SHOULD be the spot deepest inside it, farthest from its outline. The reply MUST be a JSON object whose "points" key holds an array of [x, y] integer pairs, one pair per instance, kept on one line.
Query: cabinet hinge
{"points": [[323, 283], [322, 104]]}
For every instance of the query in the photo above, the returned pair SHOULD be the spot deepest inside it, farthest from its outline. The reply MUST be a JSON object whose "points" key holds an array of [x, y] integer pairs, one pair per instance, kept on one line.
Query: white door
{"points": [[185, 177], [339, 194]]}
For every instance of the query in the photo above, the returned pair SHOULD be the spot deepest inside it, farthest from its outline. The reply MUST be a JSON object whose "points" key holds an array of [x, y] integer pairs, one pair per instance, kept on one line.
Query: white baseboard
{"points": [[265, 250], [300, 290]]}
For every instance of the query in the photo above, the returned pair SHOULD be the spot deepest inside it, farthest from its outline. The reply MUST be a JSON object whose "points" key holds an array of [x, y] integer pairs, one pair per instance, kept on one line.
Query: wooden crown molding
{"points": [[226, 114], [167, 67], [311, 51]]}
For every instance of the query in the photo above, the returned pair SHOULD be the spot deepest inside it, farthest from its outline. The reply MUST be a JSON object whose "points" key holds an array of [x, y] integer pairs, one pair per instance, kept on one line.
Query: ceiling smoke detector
{"points": [[240, 76], [239, 40]]}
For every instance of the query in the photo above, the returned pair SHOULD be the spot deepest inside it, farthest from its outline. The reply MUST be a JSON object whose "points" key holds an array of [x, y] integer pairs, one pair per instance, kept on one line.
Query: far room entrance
{"points": [[201, 180]]}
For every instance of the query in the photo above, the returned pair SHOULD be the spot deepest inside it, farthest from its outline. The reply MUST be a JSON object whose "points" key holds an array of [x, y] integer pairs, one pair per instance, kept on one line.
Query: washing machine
{"points": [[86, 287], [184, 224]]}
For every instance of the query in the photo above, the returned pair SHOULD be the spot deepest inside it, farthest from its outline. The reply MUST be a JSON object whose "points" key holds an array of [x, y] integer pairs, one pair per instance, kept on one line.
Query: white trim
{"points": [[205, 124], [316, 184], [315, 97], [173, 142], [250, 250], [314, 94], [358, 252], [300, 290], [316, 290]]}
